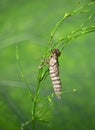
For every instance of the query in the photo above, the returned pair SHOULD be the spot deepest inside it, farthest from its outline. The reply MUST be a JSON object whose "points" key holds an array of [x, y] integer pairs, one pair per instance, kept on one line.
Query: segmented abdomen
{"points": [[54, 74]]}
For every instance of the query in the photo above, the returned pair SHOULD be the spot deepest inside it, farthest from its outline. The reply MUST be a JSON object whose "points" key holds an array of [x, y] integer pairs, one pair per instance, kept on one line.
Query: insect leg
{"points": [[43, 63]]}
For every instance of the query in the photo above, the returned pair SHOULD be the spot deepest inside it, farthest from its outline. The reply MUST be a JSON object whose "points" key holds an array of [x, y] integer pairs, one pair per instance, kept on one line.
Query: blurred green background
{"points": [[28, 24]]}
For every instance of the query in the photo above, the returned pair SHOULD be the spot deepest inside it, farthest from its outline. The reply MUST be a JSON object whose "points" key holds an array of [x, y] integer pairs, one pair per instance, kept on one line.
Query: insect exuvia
{"points": [[54, 72]]}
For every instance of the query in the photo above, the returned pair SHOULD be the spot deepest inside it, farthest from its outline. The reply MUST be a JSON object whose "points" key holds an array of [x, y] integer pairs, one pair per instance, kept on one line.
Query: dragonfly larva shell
{"points": [[54, 72]]}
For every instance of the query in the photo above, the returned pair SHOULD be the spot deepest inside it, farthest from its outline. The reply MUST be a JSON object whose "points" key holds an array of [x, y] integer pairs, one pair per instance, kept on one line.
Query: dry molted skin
{"points": [[54, 72]]}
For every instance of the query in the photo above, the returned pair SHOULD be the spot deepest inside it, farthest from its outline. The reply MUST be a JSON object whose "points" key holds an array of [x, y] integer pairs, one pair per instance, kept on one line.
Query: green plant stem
{"points": [[41, 76], [67, 15], [21, 71], [35, 105], [65, 41]]}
